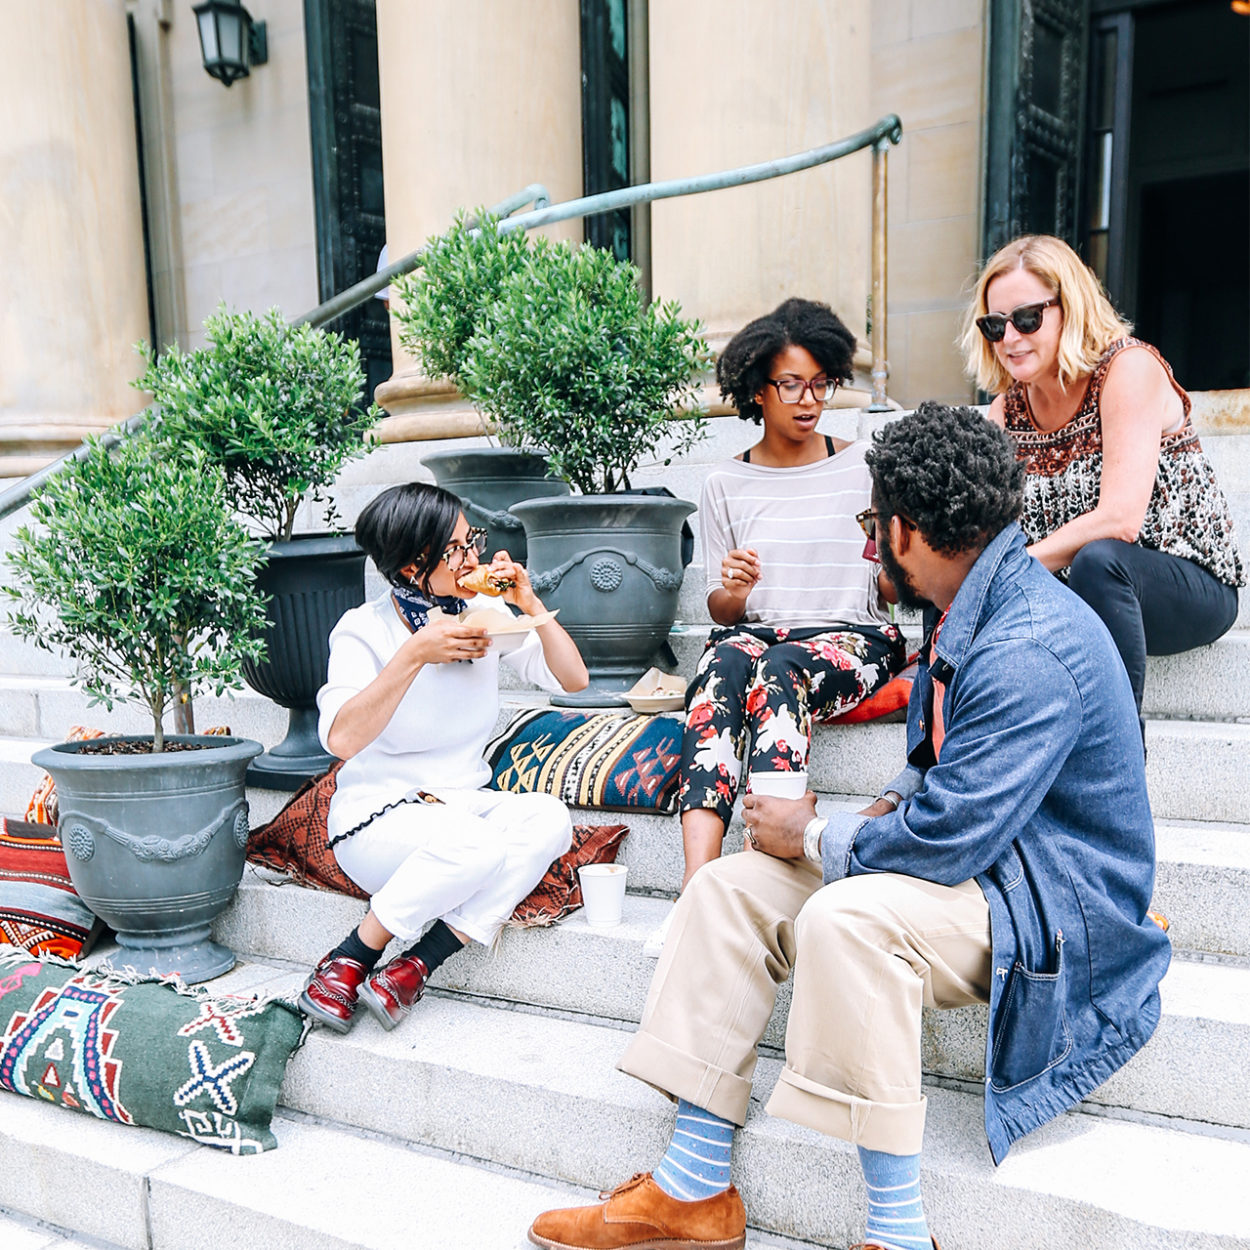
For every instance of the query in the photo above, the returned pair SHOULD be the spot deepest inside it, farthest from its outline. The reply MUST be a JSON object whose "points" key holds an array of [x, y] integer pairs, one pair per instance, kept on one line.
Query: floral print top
{"points": [[1187, 515]]}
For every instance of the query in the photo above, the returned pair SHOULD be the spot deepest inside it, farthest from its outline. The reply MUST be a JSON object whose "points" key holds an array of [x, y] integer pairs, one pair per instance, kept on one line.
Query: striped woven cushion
{"points": [[39, 908], [589, 759]]}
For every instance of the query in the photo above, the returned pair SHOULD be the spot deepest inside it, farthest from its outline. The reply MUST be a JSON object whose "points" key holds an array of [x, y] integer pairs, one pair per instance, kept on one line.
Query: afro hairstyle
{"points": [[951, 471], [746, 363]]}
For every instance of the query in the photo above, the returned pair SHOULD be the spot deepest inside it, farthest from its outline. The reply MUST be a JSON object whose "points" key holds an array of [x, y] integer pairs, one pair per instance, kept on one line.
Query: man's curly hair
{"points": [[746, 362], [949, 470]]}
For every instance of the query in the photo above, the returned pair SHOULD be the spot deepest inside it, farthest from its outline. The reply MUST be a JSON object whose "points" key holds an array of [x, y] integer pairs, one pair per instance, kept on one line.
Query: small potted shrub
{"points": [[574, 359], [136, 569], [440, 307], [277, 407]]}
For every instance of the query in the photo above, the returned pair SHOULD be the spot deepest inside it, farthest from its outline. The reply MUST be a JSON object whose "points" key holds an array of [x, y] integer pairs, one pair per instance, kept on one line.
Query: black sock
{"points": [[353, 948], [437, 946]]}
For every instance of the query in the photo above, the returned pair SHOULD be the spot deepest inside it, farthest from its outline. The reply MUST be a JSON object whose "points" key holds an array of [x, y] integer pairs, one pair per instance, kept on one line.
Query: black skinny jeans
{"points": [[1152, 603]]}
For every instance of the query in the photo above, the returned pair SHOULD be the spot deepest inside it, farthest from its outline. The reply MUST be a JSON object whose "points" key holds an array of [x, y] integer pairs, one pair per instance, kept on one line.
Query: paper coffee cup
{"points": [[780, 785], [603, 893]]}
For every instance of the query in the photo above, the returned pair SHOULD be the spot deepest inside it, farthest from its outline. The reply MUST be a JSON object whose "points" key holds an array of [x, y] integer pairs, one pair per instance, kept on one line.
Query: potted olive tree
{"points": [[574, 359], [278, 408], [439, 309], [136, 569]]}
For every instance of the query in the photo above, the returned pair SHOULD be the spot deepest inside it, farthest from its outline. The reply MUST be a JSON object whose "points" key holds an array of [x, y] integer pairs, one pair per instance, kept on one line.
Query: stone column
{"points": [[734, 82], [71, 237], [501, 109]]}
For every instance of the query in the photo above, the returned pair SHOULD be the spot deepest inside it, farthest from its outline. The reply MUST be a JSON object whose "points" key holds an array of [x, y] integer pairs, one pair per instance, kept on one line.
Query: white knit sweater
{"points": [[435, 739]]}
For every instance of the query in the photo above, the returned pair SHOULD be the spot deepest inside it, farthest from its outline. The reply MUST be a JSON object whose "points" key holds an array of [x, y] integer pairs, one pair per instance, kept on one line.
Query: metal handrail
{"points": [[878, 137], [359, 292]]}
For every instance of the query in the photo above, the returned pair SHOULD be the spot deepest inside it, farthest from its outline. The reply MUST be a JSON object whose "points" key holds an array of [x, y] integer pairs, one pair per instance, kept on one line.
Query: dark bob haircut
{"points": [[405, 525], [952, 472], [746, 363]]}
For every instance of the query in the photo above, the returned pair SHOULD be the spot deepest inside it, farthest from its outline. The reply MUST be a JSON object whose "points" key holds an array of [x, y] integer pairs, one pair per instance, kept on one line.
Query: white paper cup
{"points": [[603, 893], [781, 785]]}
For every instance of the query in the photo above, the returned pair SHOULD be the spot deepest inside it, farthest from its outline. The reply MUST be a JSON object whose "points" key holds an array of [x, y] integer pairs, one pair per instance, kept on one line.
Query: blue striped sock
{"points": [[895, 1212], [696, 1163]]}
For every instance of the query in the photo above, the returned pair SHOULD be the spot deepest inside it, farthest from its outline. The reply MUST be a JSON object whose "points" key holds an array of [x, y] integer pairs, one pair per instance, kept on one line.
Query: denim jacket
{"points": [[1040, 795]]}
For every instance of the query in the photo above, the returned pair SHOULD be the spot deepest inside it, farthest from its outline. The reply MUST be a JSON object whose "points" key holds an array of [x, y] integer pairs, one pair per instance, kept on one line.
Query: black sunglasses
{"points": [[1027, 319]]}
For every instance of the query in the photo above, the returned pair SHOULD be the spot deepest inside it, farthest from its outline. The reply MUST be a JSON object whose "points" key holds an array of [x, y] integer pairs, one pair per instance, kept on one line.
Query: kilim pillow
{"points": [[40, 910], [590, 759], [295, 840], [145, 1051]]}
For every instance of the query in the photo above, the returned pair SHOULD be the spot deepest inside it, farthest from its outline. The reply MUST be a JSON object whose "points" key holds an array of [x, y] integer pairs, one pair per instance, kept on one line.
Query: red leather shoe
{"points": [[391, 991], [332, 990]]}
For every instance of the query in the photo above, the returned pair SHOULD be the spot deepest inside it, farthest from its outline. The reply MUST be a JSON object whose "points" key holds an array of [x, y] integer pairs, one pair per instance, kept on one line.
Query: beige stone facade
{"points": [[478, 99]]}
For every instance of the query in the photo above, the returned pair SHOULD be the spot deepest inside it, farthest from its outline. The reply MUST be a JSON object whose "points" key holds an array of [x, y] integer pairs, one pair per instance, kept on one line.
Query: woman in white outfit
{"points": [[411, 699]]}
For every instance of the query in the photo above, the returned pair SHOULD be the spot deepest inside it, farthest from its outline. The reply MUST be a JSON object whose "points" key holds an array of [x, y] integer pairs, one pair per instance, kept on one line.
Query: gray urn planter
{"points": [[155, 845], [489, 480], [612, 565], [311, 581]]}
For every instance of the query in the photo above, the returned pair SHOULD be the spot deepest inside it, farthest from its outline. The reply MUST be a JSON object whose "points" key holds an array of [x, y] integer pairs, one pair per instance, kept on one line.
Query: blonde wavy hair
{"points": [[1090, 324]]}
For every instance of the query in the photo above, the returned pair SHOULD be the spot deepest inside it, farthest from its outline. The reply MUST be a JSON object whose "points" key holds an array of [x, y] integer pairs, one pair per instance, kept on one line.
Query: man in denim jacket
{"points": [[1011, 862]]}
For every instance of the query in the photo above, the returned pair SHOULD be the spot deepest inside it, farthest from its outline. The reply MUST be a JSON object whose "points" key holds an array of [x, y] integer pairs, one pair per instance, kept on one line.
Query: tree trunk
{"points": [[184, 711]]}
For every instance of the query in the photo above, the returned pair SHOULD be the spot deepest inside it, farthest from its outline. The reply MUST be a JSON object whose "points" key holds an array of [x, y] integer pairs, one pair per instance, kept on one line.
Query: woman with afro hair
{"points": [[801, 626]]}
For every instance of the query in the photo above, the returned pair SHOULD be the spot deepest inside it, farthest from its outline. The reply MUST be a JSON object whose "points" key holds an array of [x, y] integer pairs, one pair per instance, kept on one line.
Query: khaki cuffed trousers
{"points": [[866, 952]]}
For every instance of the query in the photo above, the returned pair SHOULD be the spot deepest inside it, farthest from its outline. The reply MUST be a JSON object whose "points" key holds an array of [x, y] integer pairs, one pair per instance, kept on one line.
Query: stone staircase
{"points": [[499, 1097]]}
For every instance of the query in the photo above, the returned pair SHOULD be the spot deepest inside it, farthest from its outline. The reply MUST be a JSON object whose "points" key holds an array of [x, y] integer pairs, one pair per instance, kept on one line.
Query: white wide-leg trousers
{"points": [[468, 860]]}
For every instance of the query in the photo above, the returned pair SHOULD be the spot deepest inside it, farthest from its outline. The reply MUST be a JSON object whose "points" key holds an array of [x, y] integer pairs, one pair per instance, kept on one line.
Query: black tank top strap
{"points": [[830, 450]]}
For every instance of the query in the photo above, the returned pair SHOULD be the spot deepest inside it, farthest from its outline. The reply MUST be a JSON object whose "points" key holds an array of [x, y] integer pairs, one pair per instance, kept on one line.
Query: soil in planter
{"points": [[142, 747]]}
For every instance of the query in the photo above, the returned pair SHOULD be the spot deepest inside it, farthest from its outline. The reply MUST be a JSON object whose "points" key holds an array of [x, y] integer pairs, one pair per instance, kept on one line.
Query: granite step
{"points": [[483, 1082], [1201, 883], [19, 1232], [1191, 1068], [324, 1188]]}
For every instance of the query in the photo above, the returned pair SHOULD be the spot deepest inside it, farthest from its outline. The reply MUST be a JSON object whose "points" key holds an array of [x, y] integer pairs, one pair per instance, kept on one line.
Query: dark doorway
{"points": [[344, 100], [1177, 210], [1193, 286]]}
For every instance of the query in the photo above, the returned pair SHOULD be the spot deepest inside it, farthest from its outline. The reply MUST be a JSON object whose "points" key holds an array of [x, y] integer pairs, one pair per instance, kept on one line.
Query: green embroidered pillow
{"points": [[147, 1052]]}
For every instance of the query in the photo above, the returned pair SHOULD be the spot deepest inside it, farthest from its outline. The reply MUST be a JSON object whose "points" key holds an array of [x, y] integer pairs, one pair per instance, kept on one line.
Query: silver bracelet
{"points": [[892, 797], [811, 838]]}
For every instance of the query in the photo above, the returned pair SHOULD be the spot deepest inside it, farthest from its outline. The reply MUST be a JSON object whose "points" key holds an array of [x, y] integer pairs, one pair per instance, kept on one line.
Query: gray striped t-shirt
{"points": [[801, 522]]}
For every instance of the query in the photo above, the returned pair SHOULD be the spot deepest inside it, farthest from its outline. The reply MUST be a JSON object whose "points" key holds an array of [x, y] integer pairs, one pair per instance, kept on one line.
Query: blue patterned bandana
{"points": [[415, 607]]}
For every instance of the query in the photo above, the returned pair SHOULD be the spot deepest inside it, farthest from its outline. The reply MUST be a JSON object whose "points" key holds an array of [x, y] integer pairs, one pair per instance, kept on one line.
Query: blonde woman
{"points": [[1120, 498]]}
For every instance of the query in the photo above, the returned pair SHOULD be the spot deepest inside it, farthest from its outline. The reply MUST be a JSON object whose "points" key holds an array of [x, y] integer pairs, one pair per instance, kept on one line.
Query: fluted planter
{"points": [[612, 565], [489, 480], [155, 844], [311, 580]]}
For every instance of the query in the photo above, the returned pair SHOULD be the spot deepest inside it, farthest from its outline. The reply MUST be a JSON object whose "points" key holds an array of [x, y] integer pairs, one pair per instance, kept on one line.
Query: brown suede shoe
{"points": [[641, 1216]]}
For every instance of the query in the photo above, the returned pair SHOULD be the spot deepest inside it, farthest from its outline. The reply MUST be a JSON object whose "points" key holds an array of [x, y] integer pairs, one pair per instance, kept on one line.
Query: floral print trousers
{"points": [[767, 685]]}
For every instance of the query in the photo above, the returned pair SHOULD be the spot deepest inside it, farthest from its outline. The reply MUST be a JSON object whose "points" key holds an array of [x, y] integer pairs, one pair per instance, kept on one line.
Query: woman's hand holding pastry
{"points": [[445, 640], [505, 571], [739, 571]]}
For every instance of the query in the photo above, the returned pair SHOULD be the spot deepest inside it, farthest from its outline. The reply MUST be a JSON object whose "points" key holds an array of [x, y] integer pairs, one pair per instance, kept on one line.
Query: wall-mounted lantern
{"points": [[230, 42]]}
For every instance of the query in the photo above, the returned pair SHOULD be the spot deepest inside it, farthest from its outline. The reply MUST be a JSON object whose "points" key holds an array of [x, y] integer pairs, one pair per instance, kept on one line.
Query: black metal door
{"points": [[605, 118], [344, 100], [1035, 118]]}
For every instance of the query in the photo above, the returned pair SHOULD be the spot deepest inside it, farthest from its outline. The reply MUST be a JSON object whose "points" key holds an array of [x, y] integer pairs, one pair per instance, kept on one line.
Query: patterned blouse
{"points": [[1187, 515]]}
